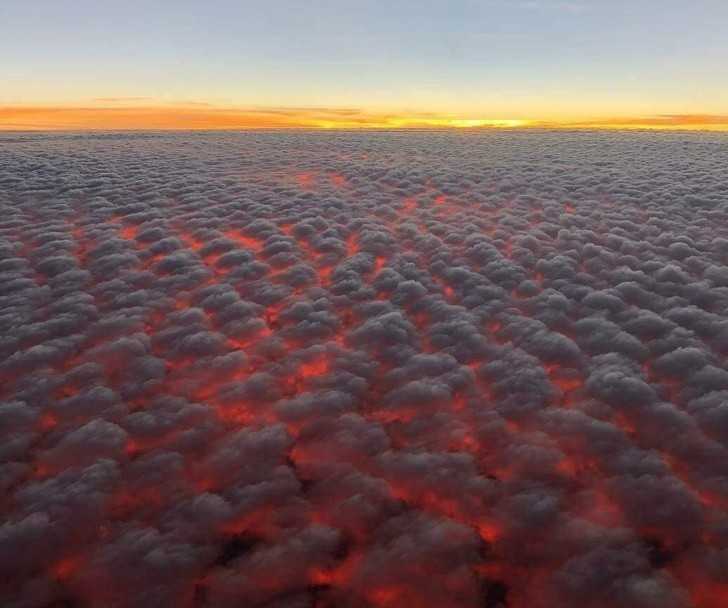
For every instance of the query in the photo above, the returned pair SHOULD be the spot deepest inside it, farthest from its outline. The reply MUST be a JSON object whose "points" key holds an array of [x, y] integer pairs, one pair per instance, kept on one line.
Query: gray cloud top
{"points": [[298, 370]]}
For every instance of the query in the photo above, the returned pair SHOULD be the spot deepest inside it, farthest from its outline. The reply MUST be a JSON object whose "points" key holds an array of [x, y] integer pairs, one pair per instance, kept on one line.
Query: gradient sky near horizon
{"points": [[547, 60]]}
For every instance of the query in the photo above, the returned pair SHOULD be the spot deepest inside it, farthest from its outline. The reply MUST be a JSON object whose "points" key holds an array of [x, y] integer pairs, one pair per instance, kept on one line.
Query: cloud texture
{"points": [[295, 370]]}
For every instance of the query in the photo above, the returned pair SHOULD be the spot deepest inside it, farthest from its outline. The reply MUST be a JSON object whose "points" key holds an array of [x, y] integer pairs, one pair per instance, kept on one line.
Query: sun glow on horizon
{"points": [[415, 122], [208, 117]]}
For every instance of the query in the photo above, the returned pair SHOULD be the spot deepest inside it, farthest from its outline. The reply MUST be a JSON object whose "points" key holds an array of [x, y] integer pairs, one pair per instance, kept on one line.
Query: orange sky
{"points": [[107, 115]]}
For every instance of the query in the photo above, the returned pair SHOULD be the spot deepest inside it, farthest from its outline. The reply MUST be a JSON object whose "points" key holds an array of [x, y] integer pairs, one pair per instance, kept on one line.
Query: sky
{"points": [[396, 63]]}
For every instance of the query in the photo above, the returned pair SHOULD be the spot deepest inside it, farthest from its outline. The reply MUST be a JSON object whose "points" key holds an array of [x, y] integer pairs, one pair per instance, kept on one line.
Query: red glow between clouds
{"points": [[362, 386]]}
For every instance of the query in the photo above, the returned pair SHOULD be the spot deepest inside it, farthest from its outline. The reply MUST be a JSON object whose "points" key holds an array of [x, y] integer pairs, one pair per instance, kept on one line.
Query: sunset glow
{"points": [[40, 118], [553, 64]]}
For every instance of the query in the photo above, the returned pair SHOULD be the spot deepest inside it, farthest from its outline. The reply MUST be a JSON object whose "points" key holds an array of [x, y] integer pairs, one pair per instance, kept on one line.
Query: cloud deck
{"points": [[296, 370]]}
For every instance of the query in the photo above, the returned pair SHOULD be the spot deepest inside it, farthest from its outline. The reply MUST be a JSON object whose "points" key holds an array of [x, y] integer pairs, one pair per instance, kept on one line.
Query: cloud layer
{"points": [[364, 370]]}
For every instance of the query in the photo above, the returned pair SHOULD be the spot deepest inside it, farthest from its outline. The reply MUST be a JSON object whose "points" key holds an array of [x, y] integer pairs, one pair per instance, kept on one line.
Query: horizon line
{"points": [[200, 117], [444, 129]]}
